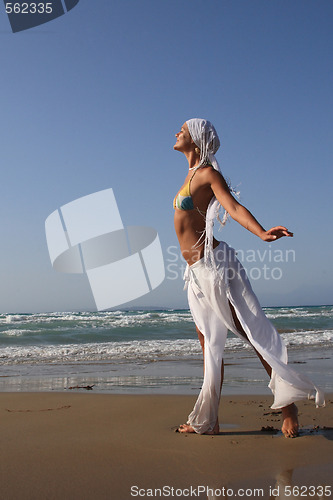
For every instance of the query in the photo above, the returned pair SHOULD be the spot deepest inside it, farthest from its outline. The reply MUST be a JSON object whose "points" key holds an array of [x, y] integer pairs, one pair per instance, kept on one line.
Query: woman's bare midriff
{"points": [[190, 227]]}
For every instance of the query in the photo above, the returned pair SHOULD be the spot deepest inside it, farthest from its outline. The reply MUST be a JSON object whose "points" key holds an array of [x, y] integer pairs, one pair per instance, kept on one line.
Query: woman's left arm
{"points": [[241, 214]]}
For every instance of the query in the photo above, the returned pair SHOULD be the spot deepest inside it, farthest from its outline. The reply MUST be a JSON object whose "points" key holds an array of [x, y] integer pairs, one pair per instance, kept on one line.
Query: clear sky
{"points": [[93, 99]]}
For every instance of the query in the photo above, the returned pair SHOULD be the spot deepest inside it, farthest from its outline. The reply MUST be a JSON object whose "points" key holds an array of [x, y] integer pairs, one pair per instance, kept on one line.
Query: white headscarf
{"points": [[205, 137]]}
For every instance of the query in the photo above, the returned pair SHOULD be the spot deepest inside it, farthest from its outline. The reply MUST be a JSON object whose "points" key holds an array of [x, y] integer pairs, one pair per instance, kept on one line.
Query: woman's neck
{"points": [[193, 159]]}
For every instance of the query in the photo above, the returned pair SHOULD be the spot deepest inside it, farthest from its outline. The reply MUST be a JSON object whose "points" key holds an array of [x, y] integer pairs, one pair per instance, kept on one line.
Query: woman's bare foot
{"points": [[185, 428], [216, 429], [290, 421]]}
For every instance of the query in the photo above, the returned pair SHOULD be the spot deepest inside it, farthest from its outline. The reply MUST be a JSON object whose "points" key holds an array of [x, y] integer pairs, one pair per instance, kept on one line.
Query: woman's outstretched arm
{"points": [[240, 213]]}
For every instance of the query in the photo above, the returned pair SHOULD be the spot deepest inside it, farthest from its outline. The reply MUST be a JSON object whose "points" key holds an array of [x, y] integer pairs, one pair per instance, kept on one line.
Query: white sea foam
{"points": [[12, 318], [112, 319], [115, 319], [138, 351], [310, 338], [13, 332], [138, 336], [295, 313], [127, 318], [141, 351]]}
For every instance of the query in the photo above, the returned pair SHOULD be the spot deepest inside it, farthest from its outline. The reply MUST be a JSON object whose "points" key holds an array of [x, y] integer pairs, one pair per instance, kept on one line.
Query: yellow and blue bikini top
{"points": [[183, 200]]}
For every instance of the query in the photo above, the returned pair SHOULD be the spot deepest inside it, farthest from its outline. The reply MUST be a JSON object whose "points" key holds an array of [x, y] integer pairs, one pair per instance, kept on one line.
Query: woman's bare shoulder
{"points": [[210, 176]]}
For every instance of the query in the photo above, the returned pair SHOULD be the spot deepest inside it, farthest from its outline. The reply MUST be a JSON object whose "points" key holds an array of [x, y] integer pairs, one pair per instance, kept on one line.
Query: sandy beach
{"points": [[93, 446]]}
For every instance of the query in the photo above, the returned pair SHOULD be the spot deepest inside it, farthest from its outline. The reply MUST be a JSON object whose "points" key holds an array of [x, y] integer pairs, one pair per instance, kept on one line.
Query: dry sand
{"points": [[92, 446]]}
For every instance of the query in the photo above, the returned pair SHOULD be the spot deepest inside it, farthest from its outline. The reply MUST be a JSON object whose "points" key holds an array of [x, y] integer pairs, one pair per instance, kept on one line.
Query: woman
{"points": [[219, 293]]}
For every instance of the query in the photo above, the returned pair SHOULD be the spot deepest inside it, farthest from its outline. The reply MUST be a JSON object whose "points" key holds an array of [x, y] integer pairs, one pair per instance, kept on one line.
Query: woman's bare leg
{"points": [[290, 412], [189, 428]]}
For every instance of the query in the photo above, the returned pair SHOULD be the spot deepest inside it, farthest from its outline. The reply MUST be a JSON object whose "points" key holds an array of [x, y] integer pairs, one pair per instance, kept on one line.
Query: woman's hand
{"points": [[275, 233]]}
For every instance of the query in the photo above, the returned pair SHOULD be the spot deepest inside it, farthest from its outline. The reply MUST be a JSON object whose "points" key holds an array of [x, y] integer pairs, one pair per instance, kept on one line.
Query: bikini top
{"points": [[183, 200]]}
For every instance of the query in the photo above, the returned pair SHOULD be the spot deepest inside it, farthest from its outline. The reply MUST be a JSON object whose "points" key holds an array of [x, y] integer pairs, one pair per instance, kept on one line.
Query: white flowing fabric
{"points": [[209, 304]]}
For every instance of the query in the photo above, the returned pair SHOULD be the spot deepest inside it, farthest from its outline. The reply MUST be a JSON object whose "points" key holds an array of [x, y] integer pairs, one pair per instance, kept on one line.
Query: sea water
{"points": [[149, 351]]}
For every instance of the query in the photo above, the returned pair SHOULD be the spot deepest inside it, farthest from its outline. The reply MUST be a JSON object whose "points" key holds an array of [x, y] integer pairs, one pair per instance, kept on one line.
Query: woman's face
{"points": [[184, 141]]}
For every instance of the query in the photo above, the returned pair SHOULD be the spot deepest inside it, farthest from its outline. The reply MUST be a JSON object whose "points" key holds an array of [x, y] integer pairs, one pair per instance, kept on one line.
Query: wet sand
{"points": [[97, 446]]}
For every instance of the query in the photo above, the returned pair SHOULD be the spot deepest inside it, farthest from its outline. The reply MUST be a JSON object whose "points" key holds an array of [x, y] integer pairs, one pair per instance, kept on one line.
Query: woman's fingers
{"points": [[277, 232]]}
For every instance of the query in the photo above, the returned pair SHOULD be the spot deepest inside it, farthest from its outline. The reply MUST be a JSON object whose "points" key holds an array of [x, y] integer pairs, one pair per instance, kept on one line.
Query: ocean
{"points": [[149, 351]]}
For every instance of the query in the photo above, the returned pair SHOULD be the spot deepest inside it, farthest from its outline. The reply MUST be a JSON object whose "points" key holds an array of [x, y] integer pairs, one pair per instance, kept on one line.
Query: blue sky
{"points": [[93, 99]]}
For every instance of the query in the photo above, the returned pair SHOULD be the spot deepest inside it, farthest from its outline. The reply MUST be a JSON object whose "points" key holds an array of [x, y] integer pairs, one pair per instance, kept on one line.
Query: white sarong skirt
{"points": [[210, 293]]}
